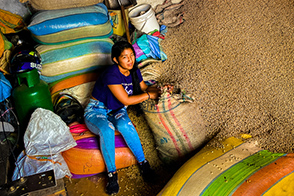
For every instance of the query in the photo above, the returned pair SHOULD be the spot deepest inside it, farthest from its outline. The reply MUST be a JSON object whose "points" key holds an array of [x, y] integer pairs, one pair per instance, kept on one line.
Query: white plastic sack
{"points": [[29, 165], [47, 134]]}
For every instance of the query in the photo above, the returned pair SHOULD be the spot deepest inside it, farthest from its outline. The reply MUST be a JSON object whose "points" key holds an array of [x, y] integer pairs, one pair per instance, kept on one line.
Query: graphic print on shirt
{"points": [[128, 88]]}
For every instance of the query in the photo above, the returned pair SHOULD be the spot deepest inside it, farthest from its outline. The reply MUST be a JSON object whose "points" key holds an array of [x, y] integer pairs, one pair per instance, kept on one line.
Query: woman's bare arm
{"points": [[119, 92]]}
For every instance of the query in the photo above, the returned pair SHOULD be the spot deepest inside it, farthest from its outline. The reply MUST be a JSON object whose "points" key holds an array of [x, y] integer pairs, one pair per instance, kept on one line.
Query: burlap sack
{"points": [[60, 4], [176, 124]]}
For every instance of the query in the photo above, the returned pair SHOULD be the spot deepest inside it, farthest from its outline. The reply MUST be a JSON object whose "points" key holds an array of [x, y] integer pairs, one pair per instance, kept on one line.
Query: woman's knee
{"points": [[100, 126]]}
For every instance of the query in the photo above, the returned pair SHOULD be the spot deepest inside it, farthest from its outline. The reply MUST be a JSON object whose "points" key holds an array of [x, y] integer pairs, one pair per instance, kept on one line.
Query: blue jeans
{"points": [[100, 123]]}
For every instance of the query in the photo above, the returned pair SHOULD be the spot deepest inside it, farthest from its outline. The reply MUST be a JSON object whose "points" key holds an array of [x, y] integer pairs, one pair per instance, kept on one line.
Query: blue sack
{"points": [[5, 87]]}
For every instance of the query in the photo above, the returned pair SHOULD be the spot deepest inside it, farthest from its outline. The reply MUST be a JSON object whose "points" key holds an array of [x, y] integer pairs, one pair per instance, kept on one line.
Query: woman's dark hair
{"points": [[119, 47], [116, 51]]}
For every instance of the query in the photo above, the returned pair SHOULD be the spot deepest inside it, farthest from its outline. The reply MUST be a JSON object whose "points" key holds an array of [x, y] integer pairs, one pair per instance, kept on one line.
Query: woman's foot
{"points": [[112, 186], [146, 171]]}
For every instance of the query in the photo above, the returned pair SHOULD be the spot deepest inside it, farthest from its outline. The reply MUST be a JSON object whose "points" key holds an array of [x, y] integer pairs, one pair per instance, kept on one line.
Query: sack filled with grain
{"points": [[65, 25], [61, 61], [176, 124], [60, 4], [233, 168]]}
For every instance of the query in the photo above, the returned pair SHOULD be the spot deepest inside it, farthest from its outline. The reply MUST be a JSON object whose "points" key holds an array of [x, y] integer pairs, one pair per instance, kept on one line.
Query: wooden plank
{"points": [[58, 190]]}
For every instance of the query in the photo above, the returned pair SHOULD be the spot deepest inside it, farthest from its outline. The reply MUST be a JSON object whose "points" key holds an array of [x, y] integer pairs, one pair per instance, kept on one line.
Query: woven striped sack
{"points": [[65, 25], [70, 59], [60, 4], [176, 124], [237, 168], [86, 159], [73, 81]]}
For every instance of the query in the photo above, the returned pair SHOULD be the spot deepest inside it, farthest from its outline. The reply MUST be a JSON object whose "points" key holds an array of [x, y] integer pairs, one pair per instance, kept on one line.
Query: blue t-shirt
{"points": [[112, 75]]}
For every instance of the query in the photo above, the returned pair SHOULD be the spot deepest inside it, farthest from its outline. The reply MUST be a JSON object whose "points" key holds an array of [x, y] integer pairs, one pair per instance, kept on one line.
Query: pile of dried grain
{"points": [[236, 57]]}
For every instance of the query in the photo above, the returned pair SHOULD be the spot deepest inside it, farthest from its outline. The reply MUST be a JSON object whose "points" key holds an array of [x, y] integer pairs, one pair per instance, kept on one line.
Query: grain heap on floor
{"points": [[236, 59]]}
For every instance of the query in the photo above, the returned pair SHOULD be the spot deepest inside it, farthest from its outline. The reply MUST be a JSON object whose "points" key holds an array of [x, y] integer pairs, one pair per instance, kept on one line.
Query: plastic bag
{"points": [[45, 138], [29, 165], [47, 134]]}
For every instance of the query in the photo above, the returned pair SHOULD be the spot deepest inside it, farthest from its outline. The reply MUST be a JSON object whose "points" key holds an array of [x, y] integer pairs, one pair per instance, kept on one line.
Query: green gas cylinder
{"points": [[32, 93]]}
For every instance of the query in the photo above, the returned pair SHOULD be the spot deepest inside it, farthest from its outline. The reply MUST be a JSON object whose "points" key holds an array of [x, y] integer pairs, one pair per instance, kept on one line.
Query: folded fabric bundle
{"points": [[59, 4], [148, 47], [66, 25], [70, 59]]}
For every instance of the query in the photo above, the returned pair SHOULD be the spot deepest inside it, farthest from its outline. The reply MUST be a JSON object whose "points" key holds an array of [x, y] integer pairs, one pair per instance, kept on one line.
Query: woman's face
{"points": [[126, 59]]}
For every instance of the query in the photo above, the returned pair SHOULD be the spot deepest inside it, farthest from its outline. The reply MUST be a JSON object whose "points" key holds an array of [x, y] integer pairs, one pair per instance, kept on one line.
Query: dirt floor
{"points": [[236, 58]]}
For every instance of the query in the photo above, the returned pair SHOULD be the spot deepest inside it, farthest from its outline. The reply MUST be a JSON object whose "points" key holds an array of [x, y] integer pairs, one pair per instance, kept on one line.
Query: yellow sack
{"points": [[5, 52], [4, 62], [10, 23], [235, 168], [1, 44]]}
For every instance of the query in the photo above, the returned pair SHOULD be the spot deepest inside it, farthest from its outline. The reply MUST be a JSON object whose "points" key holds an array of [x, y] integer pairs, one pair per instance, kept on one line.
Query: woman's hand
{"points": [[169, 88], [154, 94], [153, 91]]}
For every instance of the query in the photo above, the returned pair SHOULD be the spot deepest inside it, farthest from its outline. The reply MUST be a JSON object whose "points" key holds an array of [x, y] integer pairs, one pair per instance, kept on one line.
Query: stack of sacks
{"points": [[85, 159], [73, 64], [75, 44]]}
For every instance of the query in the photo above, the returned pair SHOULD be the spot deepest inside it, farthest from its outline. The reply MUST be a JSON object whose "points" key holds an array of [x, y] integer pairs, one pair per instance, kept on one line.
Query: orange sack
{"points": [[86, 158], [90, 161]]}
